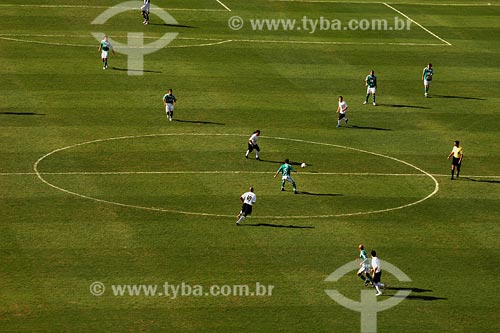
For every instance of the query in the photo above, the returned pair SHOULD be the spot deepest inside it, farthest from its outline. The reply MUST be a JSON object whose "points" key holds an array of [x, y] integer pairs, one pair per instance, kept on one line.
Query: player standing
{"points": [[458, 154], [248, 199], [145, 12], [252, 144], [371, 86], [341, 110], [286, 169], [365, 265], [427, 78], [104, 48], [169, 101], [377, 273]]}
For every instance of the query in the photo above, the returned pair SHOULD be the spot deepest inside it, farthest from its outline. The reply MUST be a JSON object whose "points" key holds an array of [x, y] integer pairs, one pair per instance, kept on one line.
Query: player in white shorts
{"points": [[248, 199], [104, 48], [341, 110], [371, 86], [169, 101], [145, 12]]}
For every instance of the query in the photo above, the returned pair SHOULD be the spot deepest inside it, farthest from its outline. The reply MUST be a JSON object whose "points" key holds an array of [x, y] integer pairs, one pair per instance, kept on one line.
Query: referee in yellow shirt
{"points": [[458, 154]]}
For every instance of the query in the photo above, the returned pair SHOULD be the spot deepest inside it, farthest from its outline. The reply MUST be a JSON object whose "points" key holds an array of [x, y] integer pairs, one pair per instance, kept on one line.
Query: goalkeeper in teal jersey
{"points": [[427, 74], [286, 169], [371, 86], [364, 263]]}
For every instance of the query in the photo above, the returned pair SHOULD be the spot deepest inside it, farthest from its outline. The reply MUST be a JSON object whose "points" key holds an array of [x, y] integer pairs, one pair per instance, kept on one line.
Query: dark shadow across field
{"points": [[175, 25], [321, 194], [459, 97], [23, 113], [135, 70], [199, 122], [405, 106], [480, 180], [276, 226], [416, 297], [370, 128]]}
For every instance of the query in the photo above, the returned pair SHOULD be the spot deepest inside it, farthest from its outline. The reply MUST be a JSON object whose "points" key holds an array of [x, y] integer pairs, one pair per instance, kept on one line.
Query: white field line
{"points": [[480, 4], [217, 41], [106, 173], [306, 173], [223, 5], [93, 45], [105, 7], [418, 24]]}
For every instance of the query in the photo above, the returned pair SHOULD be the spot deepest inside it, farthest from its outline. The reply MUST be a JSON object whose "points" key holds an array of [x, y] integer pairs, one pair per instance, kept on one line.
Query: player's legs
{"points": [[458, 169], [104, 57], [170, 111], [426, 87], [249, 150], [245, 210], [291, 181], [257, 151]]}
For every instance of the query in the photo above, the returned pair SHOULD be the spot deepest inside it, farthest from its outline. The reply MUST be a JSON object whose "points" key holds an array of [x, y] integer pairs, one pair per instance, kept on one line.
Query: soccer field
{"points": [[115, 219]]}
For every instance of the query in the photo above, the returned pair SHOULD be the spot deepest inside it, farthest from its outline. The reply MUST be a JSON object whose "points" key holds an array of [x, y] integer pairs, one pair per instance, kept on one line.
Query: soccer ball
{"points": [[303, 165]]}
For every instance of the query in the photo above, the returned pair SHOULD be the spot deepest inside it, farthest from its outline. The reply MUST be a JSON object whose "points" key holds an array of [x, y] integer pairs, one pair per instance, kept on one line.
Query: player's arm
{"points": [[277, 172], [99, 49], [241, 199], [461, 158], [450, 154], [113, 51]]}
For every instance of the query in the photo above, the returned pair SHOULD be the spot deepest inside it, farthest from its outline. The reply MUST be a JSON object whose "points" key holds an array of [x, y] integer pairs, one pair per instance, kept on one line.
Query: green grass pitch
{"points": [[97, 185]]}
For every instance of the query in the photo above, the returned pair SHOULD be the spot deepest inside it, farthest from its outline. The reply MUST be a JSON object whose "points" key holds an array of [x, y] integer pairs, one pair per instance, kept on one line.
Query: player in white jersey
{"points": [[248, 199], [377, 273], [252, 144], [145, 12], [341, 110], [104, 48]]}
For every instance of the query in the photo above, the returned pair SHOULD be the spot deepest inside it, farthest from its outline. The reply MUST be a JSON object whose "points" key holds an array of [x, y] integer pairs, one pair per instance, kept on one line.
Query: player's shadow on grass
{"points": [[271, 161], [405, 106], [23, 113], [459, 97], [175, 25], [199, 122], [370, 128], [135, 70], [480, 180], [416, 297], [276, 226], [321, 194]]}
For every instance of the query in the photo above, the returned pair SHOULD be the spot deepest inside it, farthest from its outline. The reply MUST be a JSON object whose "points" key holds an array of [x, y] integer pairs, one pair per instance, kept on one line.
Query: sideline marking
{"points": [[223, 5], [101, 7], [40, 177], [418, 24]]}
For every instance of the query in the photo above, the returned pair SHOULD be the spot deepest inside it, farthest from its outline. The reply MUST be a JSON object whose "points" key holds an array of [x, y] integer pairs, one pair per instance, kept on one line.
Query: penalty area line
{"points": [[417, 24], [223, 5]]}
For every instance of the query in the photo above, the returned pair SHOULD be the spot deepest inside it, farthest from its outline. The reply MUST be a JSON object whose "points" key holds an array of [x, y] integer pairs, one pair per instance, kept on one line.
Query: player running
{"points": [[341, 110], [286, 169], [169, 101], [248, 199], [427, 78], [104, 48], [252, 144], [371, 86], [365, 266]]}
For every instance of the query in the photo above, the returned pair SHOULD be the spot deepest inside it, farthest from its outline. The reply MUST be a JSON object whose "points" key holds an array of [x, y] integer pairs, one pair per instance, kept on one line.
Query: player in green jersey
{"points": [[286, 169], [169, 100], [427, 74], [104, 48], [371, 86], [364, 266]]}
